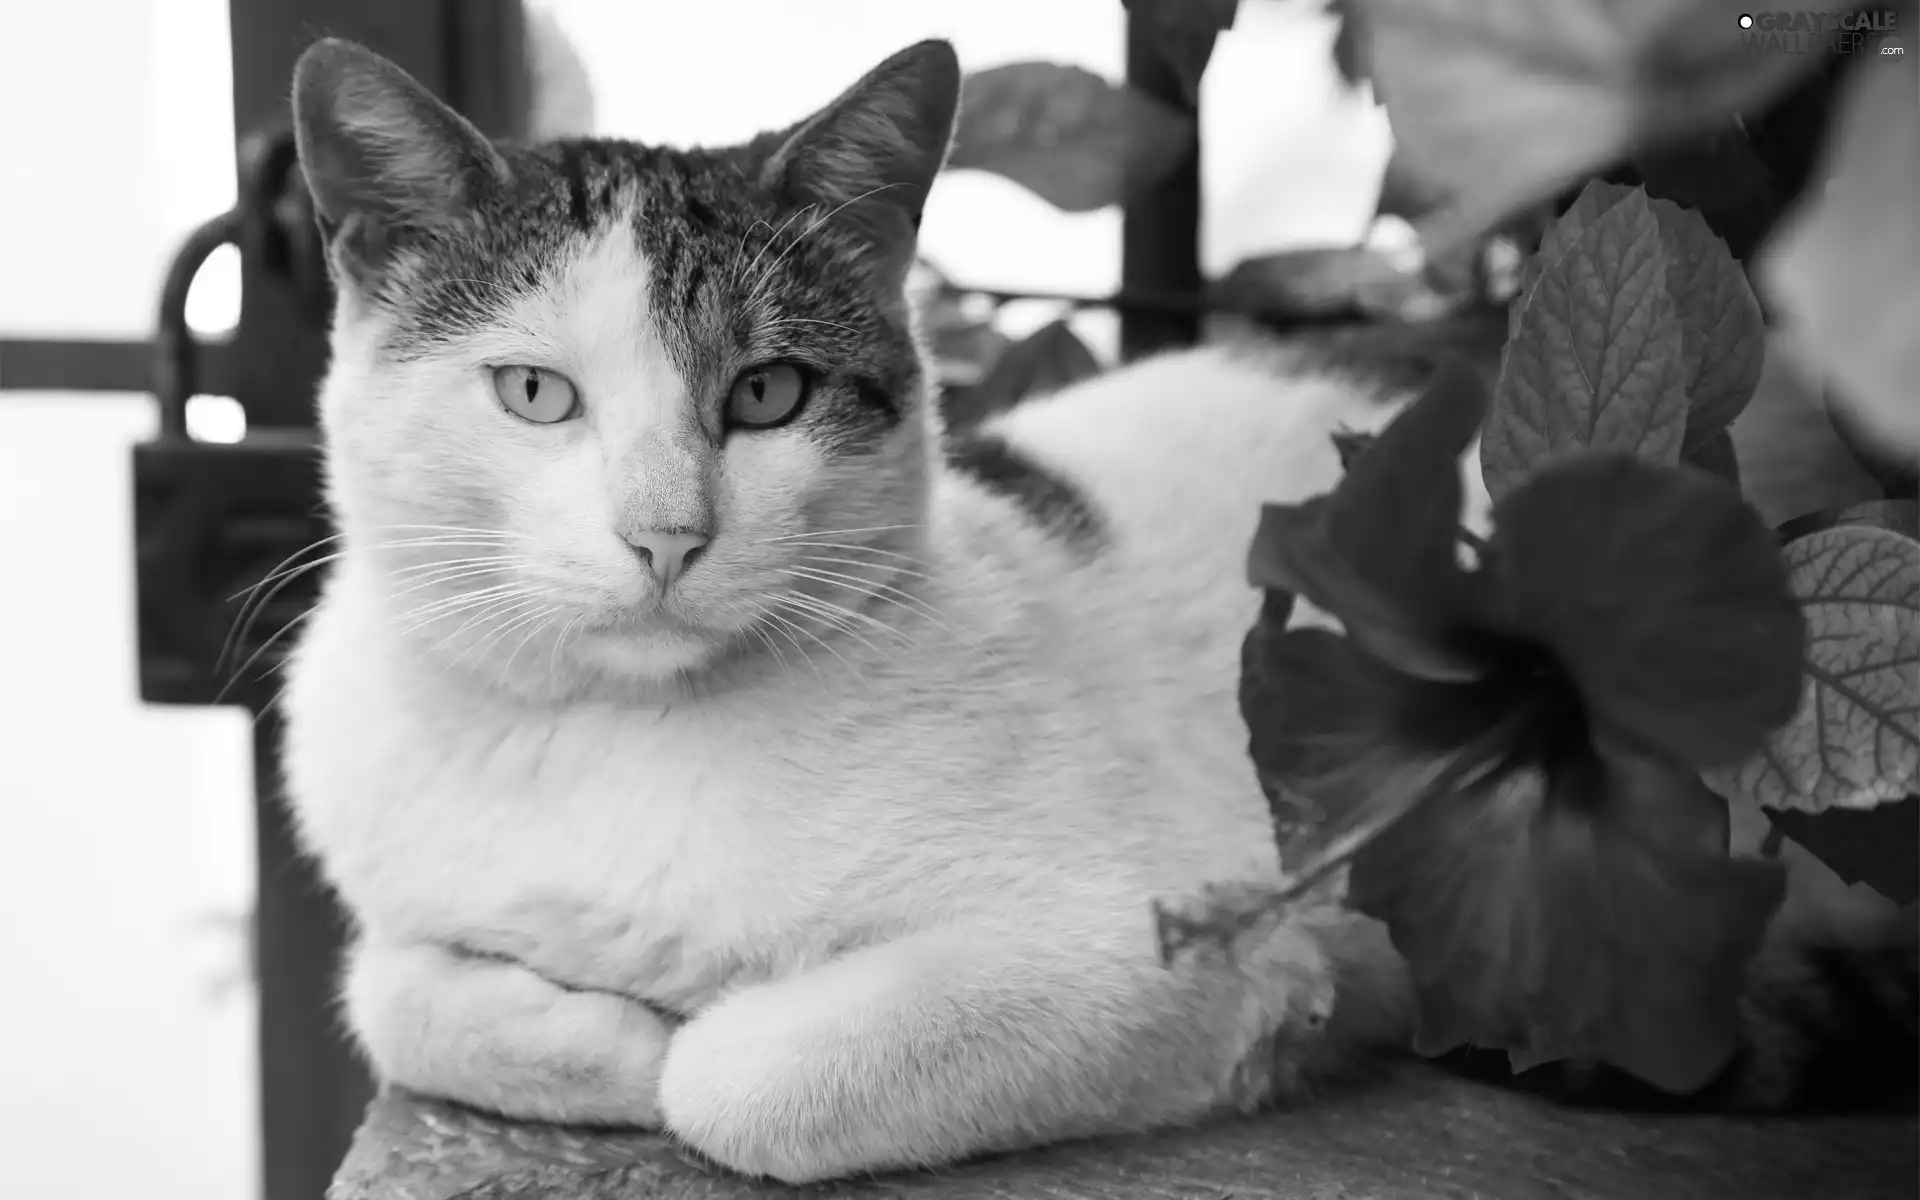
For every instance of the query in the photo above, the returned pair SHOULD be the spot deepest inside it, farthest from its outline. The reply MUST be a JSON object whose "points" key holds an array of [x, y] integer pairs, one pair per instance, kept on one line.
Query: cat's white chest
{"points": [[643, 852]]}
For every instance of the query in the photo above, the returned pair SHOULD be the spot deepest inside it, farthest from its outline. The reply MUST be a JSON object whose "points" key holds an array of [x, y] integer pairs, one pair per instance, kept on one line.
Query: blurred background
{"points": [[163, 957], [129, 1061]]}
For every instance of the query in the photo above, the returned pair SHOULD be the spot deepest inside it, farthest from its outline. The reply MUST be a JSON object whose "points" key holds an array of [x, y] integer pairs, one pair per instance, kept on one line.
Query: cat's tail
{"points": [[1829, 1021], [1830, 1024]]}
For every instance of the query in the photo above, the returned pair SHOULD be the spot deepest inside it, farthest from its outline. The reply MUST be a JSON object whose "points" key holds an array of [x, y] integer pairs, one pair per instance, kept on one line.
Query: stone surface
{"points": [[1418, 1136]]}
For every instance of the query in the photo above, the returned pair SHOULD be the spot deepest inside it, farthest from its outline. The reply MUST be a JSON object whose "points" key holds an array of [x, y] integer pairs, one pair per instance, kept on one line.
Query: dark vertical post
{"points": [[312, 1087], [1160, 230]]}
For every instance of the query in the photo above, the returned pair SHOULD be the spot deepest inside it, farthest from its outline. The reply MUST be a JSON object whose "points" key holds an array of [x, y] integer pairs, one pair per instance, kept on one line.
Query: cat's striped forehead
{"points": [[726, 274]]}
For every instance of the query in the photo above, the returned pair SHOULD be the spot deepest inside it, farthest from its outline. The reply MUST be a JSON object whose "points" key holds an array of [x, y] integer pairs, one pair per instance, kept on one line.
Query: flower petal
{"points": [[1378, 552], [1340, 742], [1663, 594], [1587, 911]]}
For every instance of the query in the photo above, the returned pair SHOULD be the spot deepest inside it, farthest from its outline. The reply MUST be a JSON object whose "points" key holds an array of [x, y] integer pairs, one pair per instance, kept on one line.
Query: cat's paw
{"points": [[749, 1102], [494, 1035], [770, 1089], [1287, 985]]}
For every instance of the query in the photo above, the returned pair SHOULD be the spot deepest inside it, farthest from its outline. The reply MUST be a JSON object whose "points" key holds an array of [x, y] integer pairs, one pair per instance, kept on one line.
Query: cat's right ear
{"points": [[381, 153]]}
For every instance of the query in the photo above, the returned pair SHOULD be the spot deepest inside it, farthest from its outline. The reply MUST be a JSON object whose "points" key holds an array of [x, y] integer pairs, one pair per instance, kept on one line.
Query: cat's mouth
{"points": [[648, 617], [671, 619]]}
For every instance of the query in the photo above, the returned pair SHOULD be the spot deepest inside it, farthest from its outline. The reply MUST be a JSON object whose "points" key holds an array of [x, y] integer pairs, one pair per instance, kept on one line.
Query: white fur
{"points": [[893, 887]]}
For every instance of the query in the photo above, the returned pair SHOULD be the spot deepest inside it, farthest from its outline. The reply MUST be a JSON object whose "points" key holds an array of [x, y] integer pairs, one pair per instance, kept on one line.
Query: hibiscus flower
{"points": [[1505, 743]]}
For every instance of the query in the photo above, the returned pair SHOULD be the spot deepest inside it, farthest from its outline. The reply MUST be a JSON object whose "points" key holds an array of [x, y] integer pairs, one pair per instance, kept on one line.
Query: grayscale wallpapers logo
{"points": [[1863, 31]]}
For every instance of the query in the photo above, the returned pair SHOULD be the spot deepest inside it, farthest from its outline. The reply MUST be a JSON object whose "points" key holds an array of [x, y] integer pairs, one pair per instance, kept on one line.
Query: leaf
{"points": [[1211, 16], [1901, 516], [1499, 102], [1351, 444], [1186, 31], [1723, 336], [1891, 465], [1379, 551], [1046, 361], [1722, 176], [1067, 135], [1340, 742], [1593, 201], [1590, 914], [1873, 846], [1596, 358], [1326, 282], [1845, 266], [1350, 56], [1662, 594], [1854, 740], [1405, 194], [1560, 236], [1714, 453], [958, 327]]}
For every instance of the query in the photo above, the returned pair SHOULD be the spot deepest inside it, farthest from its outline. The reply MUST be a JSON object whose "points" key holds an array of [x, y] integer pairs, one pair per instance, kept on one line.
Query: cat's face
{"points": [[602, 408]]}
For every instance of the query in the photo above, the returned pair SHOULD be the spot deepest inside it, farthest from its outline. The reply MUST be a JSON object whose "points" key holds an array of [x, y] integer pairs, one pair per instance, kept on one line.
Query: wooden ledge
{"points": [[1419, 1136]]}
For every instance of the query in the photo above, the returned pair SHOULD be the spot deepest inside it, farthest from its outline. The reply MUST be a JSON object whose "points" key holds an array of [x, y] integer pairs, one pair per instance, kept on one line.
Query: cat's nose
{"points": [[669, 554]]}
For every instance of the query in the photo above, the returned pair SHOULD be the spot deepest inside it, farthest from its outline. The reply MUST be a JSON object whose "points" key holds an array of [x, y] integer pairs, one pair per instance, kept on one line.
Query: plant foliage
{"points": [[1510, 754], [1523, 748], [1067, 135]]}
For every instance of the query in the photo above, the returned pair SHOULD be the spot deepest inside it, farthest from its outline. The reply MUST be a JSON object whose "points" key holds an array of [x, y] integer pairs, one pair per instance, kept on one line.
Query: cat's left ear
{"points": [[381, 154], [874, 152]]}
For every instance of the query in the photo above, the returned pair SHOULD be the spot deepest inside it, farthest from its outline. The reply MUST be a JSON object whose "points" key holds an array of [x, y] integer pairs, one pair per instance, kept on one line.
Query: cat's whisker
{"points": [[240, 671], [785, 600], [547, 618], [559, 643], [249, 614], [255, 597], [499, 611], [820, 533], [494, 286], [272, 703], [859, 548], [766, 639], [801, 602], [855, 562], [441, 574], [283, 572], [282, 575], [785, 629], [444, 541], [533, 609], [274, 583], [284, 564], [880, 592], [478, 607], [486, 609], [447, 605], [740, 251], [472, 613], [847, 621], [766, 276], [506, 534], [772, 237], [775, 324]]}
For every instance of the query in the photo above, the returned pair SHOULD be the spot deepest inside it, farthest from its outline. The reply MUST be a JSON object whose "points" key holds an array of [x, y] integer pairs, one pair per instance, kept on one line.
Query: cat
{"points": [[702, 741]]}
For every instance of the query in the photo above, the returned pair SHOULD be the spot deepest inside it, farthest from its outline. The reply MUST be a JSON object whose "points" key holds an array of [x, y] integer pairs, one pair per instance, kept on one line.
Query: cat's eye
{"points": [[767, 395], [536, 394]]}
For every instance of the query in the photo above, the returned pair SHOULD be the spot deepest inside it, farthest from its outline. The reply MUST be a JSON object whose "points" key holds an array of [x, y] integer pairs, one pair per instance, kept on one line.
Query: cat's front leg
{"points": [[493, 1034], [959, 1041]]}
